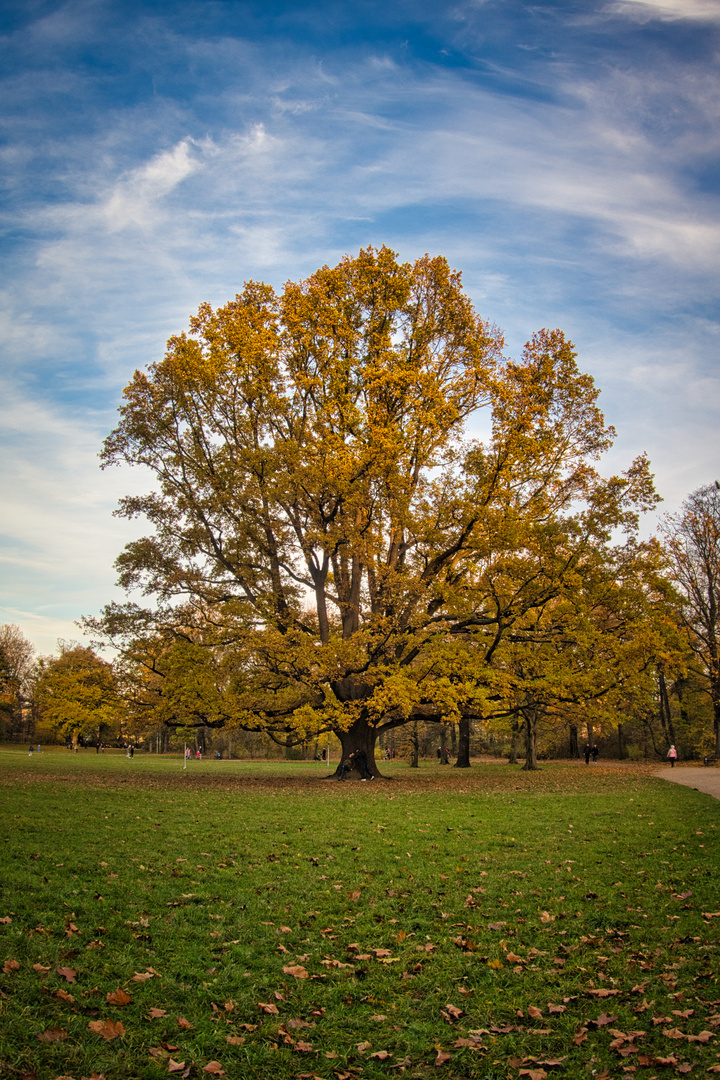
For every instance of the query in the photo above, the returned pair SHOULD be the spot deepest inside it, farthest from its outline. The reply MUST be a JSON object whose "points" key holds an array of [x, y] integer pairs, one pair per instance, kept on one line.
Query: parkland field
{"points": [[248, 919]]}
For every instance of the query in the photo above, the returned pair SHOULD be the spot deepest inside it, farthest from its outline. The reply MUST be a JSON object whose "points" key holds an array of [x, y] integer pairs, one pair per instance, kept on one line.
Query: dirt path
{"points": [[701, 777]]}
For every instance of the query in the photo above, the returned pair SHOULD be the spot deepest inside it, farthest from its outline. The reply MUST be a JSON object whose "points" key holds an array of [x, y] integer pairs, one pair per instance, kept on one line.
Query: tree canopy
{"points": [[328, 547], [77, 694], [693, 543]]}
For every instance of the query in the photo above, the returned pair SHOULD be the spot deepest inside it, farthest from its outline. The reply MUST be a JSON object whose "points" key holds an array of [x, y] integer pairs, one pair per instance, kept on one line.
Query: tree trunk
{"points": [[665, 714], [415, 743], [359, 737], [531, 764], [443, 745], [464, 730], [514, 732], [453, 740], [574, 748], [621, 747]]}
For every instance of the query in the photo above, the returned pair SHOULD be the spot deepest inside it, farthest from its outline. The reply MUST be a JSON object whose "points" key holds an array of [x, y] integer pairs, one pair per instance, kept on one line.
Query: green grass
{"points": [[499, 902]]}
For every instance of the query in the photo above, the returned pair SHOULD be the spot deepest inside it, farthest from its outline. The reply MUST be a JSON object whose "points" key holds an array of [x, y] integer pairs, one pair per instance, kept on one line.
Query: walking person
{"points": [[672, 754], [587, 751]]}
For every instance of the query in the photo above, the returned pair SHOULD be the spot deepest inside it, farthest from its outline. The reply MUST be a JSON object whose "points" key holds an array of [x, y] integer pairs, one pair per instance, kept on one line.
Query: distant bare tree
{"points": [[693, 541]]}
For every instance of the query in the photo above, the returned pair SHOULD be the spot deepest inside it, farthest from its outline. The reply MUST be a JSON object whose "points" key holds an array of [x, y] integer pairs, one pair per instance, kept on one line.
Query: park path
{"points": [[702, 778]]}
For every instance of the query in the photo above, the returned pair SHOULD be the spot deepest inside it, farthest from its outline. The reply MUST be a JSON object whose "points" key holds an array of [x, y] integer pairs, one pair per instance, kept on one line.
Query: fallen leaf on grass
{"points": [[69, 974], [62, 995], [297, 1024], [183, 1023], [175, 1066], [9, 966], [109, 1029], [603, 993], [443, 1057], [303, 1047], [378, 1018], [155, 1014], [118, 997], [673, 1033], [603, 1020], [381, 1055], [6, 920], [534, 1013], [297, 971], [235, 1040], [214, 1068], [53, 1035], [703, 1037], [556, 1008], [268, 1007], [533, 1074], [41, 968]]}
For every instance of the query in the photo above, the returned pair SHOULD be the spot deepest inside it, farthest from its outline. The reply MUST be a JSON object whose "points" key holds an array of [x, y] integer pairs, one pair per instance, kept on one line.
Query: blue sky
{"points": [[564, 155]]}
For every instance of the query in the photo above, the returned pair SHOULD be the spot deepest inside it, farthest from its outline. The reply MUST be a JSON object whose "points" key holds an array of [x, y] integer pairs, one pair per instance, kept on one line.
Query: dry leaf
{"points": [[297, 971], [175, 1066], [442, 1057], [235, 1040], [534, 1013], [183, 1023], [155, 1014], [214, 1068], [362, 1047], [303, 1047], [109, 1029], [533, 1074], [6, 920], [9, 966], [41, 968], [67, 973], [118, 997], [53, 1035], [62, 995], [268, 1007], [381, 1055]]}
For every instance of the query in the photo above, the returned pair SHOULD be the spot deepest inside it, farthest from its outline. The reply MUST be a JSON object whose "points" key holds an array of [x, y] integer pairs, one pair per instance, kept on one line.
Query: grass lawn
{"points": [[256, 920]]}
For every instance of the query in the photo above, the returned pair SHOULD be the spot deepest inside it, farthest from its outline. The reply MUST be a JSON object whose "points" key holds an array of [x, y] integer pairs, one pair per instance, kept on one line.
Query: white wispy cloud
{"points": [[668, 10]]}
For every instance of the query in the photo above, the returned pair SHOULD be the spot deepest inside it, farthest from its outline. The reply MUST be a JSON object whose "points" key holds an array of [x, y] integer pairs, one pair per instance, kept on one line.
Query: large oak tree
{"points": [[328, 549]]}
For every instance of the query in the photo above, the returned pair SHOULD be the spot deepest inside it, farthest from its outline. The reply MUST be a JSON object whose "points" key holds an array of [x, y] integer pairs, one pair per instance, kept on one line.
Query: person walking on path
{"points": [[595, 752], [587, 751], [672, 755]]}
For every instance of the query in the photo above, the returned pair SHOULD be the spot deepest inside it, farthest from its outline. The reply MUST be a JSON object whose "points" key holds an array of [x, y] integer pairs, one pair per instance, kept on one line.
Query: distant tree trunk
{"points": [[514, 733], [531, 764], [574, 748], [443, 744], [415, 743], [621, 745], [453, 740], [665, 714], [463, 758]]}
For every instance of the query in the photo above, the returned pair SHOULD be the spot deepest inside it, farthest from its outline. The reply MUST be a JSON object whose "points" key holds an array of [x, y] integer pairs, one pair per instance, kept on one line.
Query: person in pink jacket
{"points": [[672, 754]]}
